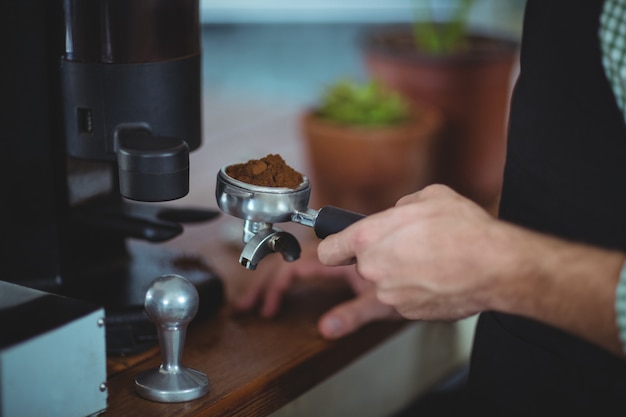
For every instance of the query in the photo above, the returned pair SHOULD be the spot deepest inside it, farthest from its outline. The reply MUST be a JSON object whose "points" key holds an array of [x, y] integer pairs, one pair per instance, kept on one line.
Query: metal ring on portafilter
{"points": [[261, 207]]}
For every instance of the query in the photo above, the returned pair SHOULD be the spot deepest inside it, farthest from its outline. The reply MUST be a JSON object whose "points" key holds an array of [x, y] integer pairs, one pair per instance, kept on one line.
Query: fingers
{"points": [[274, 292], [284, 278], [354, 314], [342, 248], [252, 290], [413, 210], [247, 298], [429, 194], [337, 250]]}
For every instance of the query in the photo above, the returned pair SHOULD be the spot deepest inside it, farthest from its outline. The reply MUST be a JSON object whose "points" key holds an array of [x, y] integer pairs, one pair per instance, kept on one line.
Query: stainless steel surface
{"points": [[261, 207], [52, 355], [260, 204], [305, 218], [268, 241], [171, 303]]}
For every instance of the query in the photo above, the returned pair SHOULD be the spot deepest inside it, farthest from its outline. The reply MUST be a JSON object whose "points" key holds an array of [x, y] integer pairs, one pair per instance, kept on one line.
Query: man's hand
{"points": [[430, 256], [274, 276], [438, 256]]}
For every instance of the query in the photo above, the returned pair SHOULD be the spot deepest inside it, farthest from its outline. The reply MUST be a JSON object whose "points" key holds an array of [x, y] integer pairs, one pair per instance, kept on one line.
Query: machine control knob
{"points": [[171, 303]]}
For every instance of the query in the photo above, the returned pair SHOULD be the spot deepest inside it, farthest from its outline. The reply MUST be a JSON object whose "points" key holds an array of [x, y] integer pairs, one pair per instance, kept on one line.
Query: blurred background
{"points": [[286, 51], [265, 63]]}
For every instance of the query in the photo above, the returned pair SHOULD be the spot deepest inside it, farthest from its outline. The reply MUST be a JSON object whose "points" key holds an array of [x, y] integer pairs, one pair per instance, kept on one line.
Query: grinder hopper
{"points": [[260, 207]]}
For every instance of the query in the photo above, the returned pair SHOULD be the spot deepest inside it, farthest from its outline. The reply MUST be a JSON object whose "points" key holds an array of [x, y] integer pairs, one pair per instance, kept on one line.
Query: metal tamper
{"points": [[171, 303], [260, 207]]}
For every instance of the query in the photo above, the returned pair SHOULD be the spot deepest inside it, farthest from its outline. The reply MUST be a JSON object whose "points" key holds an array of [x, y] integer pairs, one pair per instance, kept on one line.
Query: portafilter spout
{"points": [[260, 207]]}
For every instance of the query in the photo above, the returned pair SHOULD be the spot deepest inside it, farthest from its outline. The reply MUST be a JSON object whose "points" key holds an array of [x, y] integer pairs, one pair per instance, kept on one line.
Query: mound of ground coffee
{"points": [[270, 171]]}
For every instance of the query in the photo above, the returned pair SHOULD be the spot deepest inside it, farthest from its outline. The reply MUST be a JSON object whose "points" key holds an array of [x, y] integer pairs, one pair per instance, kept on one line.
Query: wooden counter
{"points": [[254, 365]]}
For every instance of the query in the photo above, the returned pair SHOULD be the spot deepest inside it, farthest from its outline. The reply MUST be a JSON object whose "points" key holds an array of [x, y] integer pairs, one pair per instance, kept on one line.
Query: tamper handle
{"points": [[171, 303], [332, 219]]}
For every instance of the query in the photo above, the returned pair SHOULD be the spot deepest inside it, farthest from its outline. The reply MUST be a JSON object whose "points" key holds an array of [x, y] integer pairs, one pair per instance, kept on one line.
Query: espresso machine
{"points": [[102, 104]]}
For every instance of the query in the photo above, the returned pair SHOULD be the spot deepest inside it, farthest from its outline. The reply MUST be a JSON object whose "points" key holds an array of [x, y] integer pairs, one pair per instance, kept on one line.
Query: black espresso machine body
{"points": [[104, 102]]}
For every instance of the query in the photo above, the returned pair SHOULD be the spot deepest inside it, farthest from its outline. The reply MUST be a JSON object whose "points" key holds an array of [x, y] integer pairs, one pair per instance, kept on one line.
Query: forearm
{"points": [[570, 286], [453, 260]]}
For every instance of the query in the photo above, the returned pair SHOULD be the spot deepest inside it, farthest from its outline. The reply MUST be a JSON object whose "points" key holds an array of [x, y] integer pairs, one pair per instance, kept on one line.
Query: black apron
{"points": [[565, 175]]}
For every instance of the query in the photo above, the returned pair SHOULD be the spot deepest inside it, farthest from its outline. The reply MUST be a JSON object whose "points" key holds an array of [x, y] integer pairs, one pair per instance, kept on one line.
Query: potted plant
{"points": [[367, 146], [465, 74]]}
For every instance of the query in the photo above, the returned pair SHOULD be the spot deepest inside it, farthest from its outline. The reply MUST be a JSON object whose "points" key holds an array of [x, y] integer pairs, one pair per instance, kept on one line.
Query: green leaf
{"points": [[362, 104], [443, 37]]}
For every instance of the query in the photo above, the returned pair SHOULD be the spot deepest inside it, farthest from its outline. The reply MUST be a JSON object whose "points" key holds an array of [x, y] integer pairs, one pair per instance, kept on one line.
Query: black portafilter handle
{"points": [[332, 219]]}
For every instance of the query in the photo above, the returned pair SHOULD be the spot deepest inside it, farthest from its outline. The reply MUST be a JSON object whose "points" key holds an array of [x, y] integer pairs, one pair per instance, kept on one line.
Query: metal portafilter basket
{"points": [[260, 207]]}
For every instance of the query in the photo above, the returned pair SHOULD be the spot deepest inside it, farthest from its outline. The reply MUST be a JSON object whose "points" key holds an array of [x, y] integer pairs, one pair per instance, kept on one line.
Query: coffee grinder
{"points": [[104, 106]]}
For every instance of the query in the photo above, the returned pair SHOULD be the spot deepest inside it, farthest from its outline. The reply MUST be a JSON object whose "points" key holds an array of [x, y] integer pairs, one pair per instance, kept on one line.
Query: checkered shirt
{"points": [[613, 44]]}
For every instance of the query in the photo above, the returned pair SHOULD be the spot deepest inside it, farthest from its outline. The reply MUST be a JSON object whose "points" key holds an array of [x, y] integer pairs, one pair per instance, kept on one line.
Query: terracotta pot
{"points": [[472, 90], [368, 169]]}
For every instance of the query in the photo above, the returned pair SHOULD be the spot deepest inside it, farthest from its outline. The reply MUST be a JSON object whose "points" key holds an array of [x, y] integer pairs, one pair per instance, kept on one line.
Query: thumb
{"points": [[354, 314]]}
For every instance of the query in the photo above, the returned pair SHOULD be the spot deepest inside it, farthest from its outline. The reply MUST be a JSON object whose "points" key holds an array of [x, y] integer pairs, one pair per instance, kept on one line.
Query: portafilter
{"points": [[260, 207]]}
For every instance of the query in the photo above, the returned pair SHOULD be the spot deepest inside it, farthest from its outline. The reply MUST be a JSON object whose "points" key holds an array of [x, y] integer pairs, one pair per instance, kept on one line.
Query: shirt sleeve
{"points": [[613, 45], [620, 307], [612, 36]]}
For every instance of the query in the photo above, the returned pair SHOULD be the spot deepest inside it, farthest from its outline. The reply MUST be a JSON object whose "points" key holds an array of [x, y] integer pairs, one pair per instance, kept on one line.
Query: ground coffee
{"points": [[270, 171]]}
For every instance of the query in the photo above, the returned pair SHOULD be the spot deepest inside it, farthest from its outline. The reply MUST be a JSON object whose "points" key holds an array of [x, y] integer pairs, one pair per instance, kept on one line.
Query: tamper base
{"points": [[185, 384]]}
